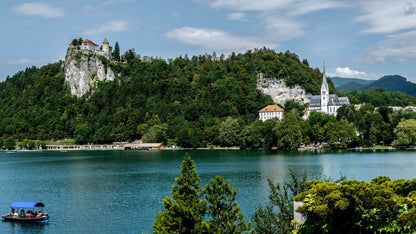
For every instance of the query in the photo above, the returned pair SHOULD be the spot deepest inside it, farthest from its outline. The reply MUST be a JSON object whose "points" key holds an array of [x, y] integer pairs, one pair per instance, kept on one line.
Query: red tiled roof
{"points": [[89, 41], [272, 108]]}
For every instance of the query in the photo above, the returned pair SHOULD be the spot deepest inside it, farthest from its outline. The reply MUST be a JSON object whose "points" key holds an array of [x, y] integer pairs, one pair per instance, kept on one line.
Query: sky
{"points": [[354, 38]]}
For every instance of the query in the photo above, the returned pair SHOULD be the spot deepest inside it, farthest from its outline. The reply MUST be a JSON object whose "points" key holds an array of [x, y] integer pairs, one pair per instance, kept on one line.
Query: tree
{"points": [[223, 209], [276, 215], [184, 208], [116, 52], [289, 132], [405, 133], [82, 133], [229, 132], [9, 143], [381, 206], [1, 143]]}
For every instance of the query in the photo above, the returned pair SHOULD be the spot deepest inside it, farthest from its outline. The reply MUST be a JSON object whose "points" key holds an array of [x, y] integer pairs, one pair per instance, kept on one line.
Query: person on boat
{"points": [[22, 213], [39, 214], [11, 212]]}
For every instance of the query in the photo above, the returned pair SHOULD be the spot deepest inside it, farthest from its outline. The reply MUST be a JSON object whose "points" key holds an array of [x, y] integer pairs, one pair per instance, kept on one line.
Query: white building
{"points": [[88, 46], [326, 103], [271, 112]]}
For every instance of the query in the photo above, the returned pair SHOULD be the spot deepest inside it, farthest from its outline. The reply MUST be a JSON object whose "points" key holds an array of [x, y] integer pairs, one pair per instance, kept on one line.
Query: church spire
{"points": [[324, 82]]}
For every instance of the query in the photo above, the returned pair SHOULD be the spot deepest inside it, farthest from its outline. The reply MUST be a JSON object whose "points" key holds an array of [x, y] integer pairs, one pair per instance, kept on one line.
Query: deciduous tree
{"points": [[405, 133]]}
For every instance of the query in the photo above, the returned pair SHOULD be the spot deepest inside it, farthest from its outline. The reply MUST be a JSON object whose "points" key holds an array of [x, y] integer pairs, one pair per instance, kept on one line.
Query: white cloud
{"points": [[250, 5], [112, 26], [295, 7], [349, 73], [216, 39], [44, 10], [237, 16], [281, 20], [384, 17], [399, 48], [109, 2], [282, 28], [39, 61], [309, 6]]}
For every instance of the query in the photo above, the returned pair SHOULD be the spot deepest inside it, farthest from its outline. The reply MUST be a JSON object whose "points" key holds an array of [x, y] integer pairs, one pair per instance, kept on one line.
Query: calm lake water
{"points": [[122, 191]]}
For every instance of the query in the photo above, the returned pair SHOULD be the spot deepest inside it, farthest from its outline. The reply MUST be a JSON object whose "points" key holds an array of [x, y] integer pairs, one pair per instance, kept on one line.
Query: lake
{"points": [[122, 191]]}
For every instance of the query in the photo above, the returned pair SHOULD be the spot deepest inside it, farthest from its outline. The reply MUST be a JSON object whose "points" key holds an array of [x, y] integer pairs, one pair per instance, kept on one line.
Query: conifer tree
{"points": [[184, 209], [116, 52], [223, 209]]}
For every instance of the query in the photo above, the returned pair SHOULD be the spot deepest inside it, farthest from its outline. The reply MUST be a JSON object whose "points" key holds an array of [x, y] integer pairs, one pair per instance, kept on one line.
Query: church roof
{"points": [[344, 100], [315, 101], [272, 108], [333, 100], [105, 41], [88, 41]]}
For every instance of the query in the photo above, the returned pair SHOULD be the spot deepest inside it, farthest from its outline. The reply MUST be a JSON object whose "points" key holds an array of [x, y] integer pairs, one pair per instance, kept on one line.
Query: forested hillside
{"points": [[184, 101]]}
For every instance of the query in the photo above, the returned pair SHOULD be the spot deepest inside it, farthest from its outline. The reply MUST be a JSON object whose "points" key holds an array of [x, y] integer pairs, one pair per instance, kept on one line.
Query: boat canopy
{"points": [[26, 205]]}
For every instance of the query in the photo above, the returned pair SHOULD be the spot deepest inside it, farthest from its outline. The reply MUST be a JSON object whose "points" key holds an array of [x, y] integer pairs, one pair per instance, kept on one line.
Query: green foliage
{"points": [[382, 206], [229, 132], [382, 97], [9, 143], [195, 102], [184, 208], [276, 215], [77, 42], [405, 133], [289, 132], [116, 52], [224, 214]]}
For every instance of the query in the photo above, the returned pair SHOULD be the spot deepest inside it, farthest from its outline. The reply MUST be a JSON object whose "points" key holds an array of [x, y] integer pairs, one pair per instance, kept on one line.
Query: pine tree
{"points": [[116, 52], [223, 209], [184, 209]]}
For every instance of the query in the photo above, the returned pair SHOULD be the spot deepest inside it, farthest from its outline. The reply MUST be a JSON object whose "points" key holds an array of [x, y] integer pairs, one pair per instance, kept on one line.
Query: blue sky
{"points": [[361, 39]]}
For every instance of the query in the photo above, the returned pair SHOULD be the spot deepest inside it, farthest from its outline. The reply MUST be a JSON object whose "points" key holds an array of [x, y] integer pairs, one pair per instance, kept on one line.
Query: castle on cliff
{"points": [[87, 46]]}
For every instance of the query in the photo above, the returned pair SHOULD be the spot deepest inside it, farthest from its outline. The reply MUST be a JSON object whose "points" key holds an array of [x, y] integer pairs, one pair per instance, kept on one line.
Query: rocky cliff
{"points": [[82, 70], [279, 92]]}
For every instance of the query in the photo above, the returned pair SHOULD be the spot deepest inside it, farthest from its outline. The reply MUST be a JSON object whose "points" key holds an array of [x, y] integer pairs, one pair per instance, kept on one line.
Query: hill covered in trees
{"points": [[180, 101]]}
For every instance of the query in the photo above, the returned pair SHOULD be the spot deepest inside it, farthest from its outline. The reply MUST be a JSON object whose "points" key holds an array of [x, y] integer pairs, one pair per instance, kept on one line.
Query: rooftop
{"points": [[272, 108]]}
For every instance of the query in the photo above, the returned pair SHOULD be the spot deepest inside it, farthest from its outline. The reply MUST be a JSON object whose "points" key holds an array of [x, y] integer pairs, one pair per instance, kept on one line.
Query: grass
{"points": [[60, 142]]}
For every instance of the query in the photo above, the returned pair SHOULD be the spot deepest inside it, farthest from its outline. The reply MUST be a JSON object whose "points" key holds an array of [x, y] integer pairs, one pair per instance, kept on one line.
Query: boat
{"points": [[34, 212]]}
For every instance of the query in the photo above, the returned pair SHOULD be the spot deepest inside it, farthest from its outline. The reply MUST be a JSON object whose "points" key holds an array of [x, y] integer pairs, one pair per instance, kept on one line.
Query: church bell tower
{"points": [[324, 93]]}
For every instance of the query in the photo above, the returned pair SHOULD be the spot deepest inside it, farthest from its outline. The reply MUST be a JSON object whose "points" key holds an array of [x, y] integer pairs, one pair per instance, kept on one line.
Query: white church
{"points": [[325, 103], [88, 46]]}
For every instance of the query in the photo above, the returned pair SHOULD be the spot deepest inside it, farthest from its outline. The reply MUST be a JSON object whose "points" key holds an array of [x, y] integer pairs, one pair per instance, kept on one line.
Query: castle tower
{"points": [[106, 49], [324, 93]]}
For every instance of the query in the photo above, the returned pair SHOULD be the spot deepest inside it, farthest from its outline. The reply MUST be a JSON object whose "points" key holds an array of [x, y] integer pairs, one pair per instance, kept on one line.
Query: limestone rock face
{"points": [[82, 71], [280, 93]]}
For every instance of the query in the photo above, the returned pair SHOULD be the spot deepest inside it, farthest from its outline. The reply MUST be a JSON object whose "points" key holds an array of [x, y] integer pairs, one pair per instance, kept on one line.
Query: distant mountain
{"points": [[339, 81], [391, 83]]}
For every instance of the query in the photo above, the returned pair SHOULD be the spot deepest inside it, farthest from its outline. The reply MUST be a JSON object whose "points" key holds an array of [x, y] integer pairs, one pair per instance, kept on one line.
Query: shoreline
{"points": [[120, 148]]}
